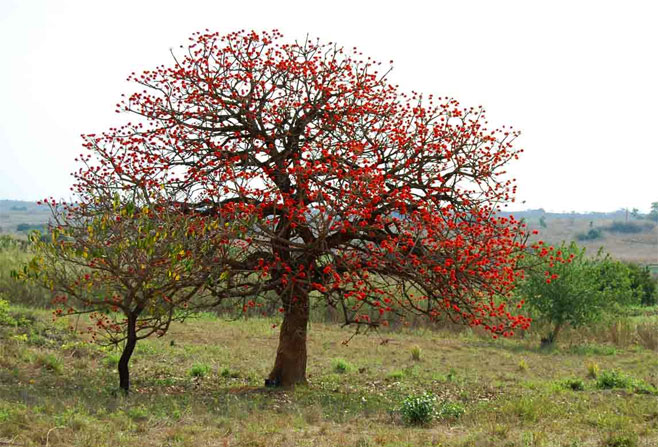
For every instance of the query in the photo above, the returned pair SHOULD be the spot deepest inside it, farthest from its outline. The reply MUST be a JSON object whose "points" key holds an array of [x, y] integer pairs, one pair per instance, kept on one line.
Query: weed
{"points": [[593, 370], [573, 384], [199, 370], [418, 409], [50, 362], [621, 440], [416, 352], [342, 366], [451, 410], [229, 374], [523, 365], [398, 374], [613, 379], [111, 360]]}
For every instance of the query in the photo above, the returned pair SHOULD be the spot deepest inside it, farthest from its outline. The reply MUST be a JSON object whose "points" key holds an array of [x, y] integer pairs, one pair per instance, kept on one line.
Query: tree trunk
{"points": [[290, 364], [131, 341], [548, 341]]}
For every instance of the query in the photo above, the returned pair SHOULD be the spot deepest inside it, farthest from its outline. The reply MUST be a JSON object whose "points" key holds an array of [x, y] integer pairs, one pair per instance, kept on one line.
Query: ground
{"points": [[201, 385]]}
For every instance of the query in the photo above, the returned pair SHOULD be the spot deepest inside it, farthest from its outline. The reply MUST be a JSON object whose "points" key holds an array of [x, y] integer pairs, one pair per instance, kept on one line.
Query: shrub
{"points": [[418, 409], [342, 366], [592, 234], [628, 227], [523, 365], [199, 370], [613, 379], [644, 286]]}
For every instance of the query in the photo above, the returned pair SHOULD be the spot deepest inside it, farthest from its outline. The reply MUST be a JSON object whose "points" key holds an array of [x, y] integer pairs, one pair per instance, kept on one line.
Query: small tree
{"points": [[566, 287], [653, 214], [131, 264]]}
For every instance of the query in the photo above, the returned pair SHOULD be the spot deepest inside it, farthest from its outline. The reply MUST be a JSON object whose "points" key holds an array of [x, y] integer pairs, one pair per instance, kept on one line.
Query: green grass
{"points": [[207, 389]]}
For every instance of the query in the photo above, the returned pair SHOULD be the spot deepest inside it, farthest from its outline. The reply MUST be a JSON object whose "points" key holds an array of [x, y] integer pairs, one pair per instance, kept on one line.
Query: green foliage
{"points": [[450, 410], [542, 222], [615, 379], [341, 366], [418, 409], [592, 234], [574, 384], [621, 440], [5, 318], [50, 363], [628, 227], [199, 370], [576, 292], [644, 286]]}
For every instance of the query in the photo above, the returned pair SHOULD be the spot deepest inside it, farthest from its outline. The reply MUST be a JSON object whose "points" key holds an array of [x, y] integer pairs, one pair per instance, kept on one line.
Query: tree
{"points": [[376, 201], [566, 287], [132, 268]]}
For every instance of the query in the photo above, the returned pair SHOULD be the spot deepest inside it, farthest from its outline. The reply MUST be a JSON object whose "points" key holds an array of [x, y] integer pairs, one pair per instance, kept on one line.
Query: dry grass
{"points": [[638, 247], [506, 404]]}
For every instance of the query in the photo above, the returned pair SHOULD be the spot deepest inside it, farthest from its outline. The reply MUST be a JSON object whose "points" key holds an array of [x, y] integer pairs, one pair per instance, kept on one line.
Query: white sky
{"points": [[580, 79]]}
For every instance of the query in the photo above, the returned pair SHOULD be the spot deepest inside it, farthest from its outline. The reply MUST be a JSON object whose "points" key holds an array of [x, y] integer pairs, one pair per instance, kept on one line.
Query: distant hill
{"points": [[19, 217]]}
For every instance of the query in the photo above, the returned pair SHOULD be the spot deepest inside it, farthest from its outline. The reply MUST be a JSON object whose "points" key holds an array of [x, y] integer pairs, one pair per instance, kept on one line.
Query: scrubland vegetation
{"points": [[202, 383]]}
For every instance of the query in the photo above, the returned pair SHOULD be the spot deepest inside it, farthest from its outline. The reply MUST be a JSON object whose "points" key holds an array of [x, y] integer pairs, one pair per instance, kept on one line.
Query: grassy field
{"points": [[201, 385], [641, 247]]}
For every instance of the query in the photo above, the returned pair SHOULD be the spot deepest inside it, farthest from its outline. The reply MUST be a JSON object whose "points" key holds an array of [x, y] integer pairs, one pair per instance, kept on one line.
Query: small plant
{"points": [[111, 360], [613, 379], [416, 352], [342, 366], [451, 410], [523, 365], [621, 440], [593, 370], [418, 409], [199, 370], [5, 318], [398, 374], [228, 373], [50, 362], [574, 384]]}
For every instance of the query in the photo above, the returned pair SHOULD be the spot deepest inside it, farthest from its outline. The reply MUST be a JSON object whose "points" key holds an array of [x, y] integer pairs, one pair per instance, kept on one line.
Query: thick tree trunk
{"points": [[550, 340], [131, 341], [290, 364]]}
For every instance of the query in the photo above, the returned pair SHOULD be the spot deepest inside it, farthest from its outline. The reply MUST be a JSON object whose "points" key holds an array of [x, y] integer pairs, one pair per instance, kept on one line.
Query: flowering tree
{"points": [[376, 201], [131, 264]]}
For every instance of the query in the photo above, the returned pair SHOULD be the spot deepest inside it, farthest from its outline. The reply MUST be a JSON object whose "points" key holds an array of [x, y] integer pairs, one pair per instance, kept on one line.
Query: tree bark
{"points": [[131, 341], [290, 364]]}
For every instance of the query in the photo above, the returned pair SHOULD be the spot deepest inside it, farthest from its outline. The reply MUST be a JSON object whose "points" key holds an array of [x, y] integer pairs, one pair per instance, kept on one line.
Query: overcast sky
{"points": [[580, 79]]}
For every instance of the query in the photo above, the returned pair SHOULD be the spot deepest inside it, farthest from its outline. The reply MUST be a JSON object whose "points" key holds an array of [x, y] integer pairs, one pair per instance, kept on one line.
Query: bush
{"points": [[418, 409], [612, 379], [592, 234], [628, 227], [644, 286]]}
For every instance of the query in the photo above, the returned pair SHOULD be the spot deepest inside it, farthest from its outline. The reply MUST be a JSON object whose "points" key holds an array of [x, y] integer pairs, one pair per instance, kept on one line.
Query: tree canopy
{"points": [[344, 188]]}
